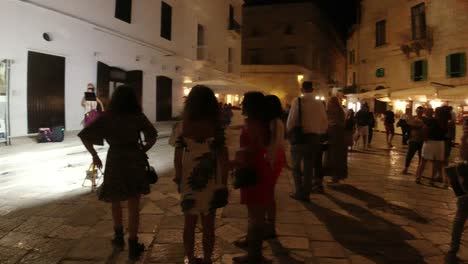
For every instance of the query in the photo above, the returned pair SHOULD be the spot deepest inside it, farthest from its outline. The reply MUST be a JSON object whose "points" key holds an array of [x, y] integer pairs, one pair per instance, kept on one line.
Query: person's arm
{"points": [[101, 104], [178, 154], [89, 146], [464, 143], [293, 116], [150, 133], [83, 102]]}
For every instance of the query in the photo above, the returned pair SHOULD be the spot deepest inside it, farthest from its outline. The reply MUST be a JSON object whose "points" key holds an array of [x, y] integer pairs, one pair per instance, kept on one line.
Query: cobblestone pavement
{"points": [[376, 216]]}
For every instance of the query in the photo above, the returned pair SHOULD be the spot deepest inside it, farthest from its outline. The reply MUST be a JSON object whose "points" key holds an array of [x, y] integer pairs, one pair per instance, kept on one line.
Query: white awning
{"points": [[227, 86], [454, 94], [374, 94], [407, 94]]}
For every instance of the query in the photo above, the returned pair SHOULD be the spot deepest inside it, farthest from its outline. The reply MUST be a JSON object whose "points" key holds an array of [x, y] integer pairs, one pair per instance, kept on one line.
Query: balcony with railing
{"points": [[422, 40], [234, 27]]}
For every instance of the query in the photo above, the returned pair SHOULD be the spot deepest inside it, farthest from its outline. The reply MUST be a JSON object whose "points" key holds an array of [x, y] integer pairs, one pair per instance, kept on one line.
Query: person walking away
{"points": [[434, 146], [350, 128], [276, 156], [201, 165], [315, 124], [415, 140], [125, 170], [337, 154], [462, 204], [389, 122], [254, 141], [363, 121], [92, 107], [371, 129], [403, 124]]}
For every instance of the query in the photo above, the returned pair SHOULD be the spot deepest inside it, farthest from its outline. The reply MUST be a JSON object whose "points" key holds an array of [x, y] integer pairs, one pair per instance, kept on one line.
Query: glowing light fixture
{"points": [[435, 103], [217, 95], [317, 97], [322, 98], [187, 80], [300, 78], [186, 91], [400, 105]]}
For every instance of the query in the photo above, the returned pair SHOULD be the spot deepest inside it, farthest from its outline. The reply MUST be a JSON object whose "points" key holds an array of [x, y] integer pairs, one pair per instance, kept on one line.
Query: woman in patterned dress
{"points": [[124, 176], [201, 168]]}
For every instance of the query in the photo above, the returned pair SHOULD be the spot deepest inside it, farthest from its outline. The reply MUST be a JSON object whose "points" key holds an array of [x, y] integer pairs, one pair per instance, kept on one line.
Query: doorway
{"points": [[46, 91], [163, 98]]}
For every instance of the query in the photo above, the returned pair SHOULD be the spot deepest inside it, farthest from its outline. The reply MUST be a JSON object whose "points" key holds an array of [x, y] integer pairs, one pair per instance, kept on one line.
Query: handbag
{"points": [[455, 173], [296, 135], [150, 173], [244, 177]]}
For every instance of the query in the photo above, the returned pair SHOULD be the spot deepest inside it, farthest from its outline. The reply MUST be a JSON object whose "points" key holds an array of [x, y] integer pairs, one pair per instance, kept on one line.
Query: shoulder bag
{"points": [[296, 135], [150, 173]]}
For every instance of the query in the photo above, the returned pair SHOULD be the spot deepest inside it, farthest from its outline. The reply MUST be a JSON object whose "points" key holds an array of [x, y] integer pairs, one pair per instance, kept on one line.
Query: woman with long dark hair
{"points": [[124, 176], [254, 142], [200, 160]]}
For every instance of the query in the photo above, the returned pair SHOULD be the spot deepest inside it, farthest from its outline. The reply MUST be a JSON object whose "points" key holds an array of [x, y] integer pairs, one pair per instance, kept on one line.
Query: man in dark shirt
{"points": [[389, 126], [415, 124], [363, 122]]}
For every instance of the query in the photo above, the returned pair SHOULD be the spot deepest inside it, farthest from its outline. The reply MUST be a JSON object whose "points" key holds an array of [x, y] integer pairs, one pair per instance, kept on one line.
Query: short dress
{"points": [[200, 171], [124, 174], [262, 193]]}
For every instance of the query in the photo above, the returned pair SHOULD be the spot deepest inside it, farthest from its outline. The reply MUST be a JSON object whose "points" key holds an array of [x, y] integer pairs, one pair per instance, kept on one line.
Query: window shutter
{"points": [[448, 66], [412, 71], [462, 64], [424, 70]]}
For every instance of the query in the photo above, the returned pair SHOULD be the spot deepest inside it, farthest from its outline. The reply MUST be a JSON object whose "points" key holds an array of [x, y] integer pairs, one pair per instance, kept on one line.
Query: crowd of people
{"points": [[323, 136]]}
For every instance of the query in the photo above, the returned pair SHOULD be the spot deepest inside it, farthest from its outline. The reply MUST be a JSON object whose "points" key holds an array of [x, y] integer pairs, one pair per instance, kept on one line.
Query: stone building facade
{"points": [[159, 46], [409, 52], [284, 44]]}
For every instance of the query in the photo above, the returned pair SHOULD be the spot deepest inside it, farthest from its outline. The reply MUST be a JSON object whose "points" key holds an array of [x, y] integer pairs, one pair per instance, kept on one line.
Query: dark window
{"points": [[418, 21], [352, 57], [380, 33], [456, 65], [354, 78], [288, 30], [201, 49], [380, 72], [255, 56], [123, 10], [166, 21], [290, 55], [419, 70]]}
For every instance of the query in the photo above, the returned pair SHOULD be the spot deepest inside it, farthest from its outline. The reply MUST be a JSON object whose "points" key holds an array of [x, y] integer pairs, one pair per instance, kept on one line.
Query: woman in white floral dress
{"points": [[201, 168]]}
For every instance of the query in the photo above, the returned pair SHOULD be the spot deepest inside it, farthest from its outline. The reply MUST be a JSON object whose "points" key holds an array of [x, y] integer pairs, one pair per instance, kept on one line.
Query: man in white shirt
{"points": [[314, 124]]}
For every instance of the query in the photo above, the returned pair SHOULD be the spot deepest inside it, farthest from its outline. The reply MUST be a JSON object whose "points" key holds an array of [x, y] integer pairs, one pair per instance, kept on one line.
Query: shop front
{"points": [[4, 101]]}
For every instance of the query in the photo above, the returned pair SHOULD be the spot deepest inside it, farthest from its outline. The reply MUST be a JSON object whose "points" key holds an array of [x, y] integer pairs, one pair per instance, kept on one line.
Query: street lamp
{"points": [[300, 77]]}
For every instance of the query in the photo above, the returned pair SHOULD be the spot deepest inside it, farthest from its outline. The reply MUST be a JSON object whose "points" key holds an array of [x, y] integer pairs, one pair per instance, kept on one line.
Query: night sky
{"points": [[342, 13]]}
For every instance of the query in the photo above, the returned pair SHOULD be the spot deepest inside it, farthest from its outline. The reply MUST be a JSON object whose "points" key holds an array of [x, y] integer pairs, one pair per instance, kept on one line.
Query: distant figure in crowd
{"points": [[258, 198], [350, 129], [227, 114], [124, 175], [433, 149], [276, 156], [403, 124], [389, 122], [363, 122], [92, 107], [337, 154], [201, 165], [462, 206], [415, 140], [371, 128], [315, 124], [450, 136]]}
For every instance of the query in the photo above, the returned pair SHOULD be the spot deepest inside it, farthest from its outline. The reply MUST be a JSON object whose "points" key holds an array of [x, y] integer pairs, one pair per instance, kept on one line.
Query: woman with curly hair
{"points": [[201, 168]]}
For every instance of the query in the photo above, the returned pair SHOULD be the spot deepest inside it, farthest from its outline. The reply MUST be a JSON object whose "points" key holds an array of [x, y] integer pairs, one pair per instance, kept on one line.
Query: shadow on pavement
{"points": [[376, 202], [282, 254], [367, 234]]}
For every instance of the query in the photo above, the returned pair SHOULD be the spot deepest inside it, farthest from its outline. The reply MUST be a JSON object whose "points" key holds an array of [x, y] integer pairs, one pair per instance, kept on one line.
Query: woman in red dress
{"points": [[253, 154]]}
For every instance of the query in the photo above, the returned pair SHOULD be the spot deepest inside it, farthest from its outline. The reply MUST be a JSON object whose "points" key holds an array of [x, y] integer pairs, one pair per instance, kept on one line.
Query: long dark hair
{"points": [[125, 101], [254, 107], [201, 104], [273, 104]]}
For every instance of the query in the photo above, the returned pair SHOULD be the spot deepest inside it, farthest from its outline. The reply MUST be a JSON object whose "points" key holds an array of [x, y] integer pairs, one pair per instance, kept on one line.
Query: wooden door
{"points": [[135, 80], [46, 91], [102, 83], [163, 98]]}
